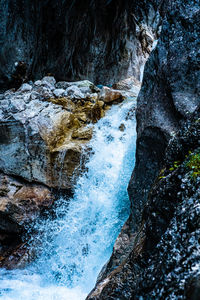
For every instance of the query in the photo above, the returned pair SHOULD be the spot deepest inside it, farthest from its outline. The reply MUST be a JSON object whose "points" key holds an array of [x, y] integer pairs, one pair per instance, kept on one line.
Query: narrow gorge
{"points": [[100, 149]]}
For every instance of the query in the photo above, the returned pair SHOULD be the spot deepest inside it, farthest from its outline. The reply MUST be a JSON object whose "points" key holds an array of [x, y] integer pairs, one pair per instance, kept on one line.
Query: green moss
{"points": [[176, 164], [161, 174], [197, 120], [194, 164]]}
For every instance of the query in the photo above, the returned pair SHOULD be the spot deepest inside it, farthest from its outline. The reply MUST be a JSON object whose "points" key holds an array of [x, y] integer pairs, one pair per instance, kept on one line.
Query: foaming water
{"points": [[76, 244]]}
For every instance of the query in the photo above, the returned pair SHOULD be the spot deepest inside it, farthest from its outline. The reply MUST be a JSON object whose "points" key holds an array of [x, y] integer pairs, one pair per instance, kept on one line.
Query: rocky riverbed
{"points": [[46, 126], [156, 255], [45, 129]]}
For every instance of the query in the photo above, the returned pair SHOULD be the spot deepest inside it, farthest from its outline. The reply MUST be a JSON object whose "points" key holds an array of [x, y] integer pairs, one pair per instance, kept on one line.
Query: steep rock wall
{"points": [[99, 40], [161, 258], [169, 94]]}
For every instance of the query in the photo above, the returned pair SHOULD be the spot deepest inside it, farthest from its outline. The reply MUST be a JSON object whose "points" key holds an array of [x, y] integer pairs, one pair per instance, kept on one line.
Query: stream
{"points": [[76, 244]]}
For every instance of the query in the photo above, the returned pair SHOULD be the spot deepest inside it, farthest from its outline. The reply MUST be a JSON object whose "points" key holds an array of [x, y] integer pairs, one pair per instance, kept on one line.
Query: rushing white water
{"points": [[78, 241]]}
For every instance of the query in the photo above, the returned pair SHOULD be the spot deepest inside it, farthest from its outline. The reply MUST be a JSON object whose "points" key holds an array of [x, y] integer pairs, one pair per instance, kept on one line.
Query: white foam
{"points": [[77, 243]]}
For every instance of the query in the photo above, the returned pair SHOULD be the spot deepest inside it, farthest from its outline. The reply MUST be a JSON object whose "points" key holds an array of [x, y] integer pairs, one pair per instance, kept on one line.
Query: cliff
{"points": [[161, 250], [72, 40]]}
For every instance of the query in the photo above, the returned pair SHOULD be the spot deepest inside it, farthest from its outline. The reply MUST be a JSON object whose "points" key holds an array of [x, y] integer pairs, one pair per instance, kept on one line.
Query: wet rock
{"points": [[21, 203], [164, 189], [127, 84], [42, 134], [169, 95], [110, 95], [25, 87], [58, 92], [122, 127], [111, 49], [82, 134], [17, 257]]}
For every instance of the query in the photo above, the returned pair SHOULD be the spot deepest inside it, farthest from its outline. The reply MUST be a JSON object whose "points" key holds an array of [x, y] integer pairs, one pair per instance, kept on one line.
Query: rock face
{"points": [[164, 259], [21, 203], [169, 94], [44, 130], [161, 261], [101, 40]]}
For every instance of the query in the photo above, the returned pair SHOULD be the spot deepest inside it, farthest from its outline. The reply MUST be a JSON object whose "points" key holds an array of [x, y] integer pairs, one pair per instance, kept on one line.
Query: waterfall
{"points": [[76, 243]]}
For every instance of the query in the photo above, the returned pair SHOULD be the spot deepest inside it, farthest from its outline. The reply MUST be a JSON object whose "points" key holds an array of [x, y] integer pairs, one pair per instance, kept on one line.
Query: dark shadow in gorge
{"points": [[72, 39]]}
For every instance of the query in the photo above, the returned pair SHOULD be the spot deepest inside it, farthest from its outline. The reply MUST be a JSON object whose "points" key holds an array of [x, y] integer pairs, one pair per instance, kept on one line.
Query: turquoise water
{"points": [[76, 244]]}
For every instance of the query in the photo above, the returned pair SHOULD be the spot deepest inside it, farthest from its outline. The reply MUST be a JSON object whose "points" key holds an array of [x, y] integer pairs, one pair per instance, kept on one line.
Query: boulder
{"points": [[26, 87], [43, 136], [49, 80], [73, 92], [109, 95], [21, 203], [127, 84], [58, 92]]}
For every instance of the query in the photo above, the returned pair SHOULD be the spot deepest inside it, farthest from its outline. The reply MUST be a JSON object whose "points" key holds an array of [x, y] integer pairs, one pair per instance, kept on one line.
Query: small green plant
{"points": [[161, 174], [175, 165], [194, 165]]}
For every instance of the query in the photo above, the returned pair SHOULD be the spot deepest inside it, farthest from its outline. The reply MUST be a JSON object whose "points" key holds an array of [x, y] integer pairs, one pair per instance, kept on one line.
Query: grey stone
{"points": [[62, 85], [58, 92], [164, 189], [25, 88], [74, 92], [169, 95], [49, 79], [38, 82]]}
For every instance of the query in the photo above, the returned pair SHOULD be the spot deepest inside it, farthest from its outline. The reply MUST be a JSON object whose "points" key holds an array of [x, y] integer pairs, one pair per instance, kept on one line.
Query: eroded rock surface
{"points": [[101, 40], [163, 262], [165, 252], [21, 203], [44, 129], [169, 95]]}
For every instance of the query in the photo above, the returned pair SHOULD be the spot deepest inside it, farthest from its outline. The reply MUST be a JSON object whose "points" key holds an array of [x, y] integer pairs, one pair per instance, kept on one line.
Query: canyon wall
{"points": [[159, 244], [97, 40], [169, 95]]}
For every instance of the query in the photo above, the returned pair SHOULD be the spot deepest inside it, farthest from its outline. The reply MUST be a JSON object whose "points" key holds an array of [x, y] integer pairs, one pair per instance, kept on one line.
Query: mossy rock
{"points": [[193, 164]]}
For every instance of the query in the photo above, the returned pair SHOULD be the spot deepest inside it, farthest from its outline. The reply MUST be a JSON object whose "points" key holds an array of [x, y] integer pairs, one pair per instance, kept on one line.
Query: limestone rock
{"points": [[110, 95], [127, 84], [73, 92], [26, 87], [58, 92], [82, 134], [21, 203], [49, 80], [43, 135]]}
